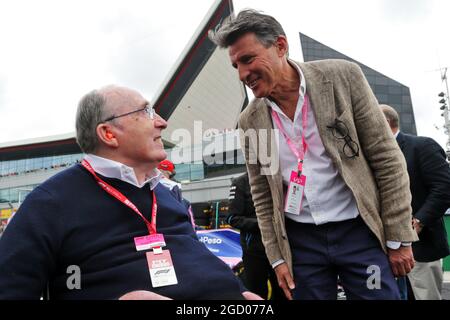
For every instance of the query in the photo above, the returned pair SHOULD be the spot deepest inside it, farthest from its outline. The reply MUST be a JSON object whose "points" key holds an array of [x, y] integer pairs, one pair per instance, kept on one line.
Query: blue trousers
{"points": [[347, 249], [403, 288]]}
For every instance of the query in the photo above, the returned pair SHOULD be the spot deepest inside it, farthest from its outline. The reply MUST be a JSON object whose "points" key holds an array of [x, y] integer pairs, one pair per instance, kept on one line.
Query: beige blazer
{"points": [[377, 178]]}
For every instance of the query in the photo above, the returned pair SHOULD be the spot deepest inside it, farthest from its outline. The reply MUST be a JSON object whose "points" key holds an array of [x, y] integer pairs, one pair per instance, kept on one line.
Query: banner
{"points": [[5, 213], [224, 243]]}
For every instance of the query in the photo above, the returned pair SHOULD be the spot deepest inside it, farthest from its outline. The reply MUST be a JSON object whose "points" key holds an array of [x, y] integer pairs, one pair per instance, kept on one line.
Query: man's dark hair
{"points": [[391, 115], [266, 29]]}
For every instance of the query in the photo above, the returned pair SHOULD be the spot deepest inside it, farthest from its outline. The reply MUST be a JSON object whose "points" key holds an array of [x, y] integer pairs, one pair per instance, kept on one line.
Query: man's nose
{"points": [[160, 122], [243, 73]]}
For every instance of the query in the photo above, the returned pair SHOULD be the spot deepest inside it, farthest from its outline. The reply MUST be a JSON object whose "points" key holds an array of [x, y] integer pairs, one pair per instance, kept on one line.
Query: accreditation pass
{"points": [[162, 271], [294, 196]]}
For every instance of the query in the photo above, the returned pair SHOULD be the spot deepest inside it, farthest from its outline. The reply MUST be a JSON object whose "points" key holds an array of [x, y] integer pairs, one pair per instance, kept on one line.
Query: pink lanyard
{"points": [[119, 196], [299, 153]]}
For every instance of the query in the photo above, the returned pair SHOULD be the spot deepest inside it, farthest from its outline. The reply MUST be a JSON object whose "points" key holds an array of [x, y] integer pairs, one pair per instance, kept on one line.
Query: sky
{"points": [[52, 51]]}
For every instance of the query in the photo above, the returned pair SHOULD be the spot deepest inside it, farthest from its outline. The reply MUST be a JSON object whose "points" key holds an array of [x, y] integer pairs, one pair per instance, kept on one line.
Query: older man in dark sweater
{"points": [[106, 229]]}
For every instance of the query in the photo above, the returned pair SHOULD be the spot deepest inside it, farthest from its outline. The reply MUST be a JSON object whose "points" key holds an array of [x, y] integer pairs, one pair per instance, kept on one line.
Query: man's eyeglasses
{"points": [[340, 131], [148, 110]]}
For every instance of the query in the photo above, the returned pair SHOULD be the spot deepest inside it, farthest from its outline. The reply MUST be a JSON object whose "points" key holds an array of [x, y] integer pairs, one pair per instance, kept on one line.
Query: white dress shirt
{"points": [[396, 134], [326, 196], [113, 169]]}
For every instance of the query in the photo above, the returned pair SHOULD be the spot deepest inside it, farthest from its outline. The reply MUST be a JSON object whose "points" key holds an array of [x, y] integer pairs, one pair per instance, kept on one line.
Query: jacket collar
{"points": [[401, 140]]}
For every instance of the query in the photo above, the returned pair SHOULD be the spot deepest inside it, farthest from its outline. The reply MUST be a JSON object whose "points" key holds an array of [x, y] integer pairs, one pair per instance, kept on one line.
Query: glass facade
{"points": [[17, 194], [16, 167], [30, 165], [387, 90], [226, 163], [217, 156], [211, 166], [189, 172]]}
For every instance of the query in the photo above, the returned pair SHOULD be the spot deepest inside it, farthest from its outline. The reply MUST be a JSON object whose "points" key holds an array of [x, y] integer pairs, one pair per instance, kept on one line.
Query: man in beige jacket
{"points": [[328, 181]]}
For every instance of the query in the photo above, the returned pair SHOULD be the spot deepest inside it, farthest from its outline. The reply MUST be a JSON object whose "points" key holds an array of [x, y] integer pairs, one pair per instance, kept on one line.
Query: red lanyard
{"points": [[151, 226], [299, 153]]}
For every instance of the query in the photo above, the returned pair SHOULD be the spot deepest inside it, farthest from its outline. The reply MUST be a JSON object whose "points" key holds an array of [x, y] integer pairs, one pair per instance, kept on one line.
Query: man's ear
{"points": [[390, 124], [282, 45], [106, 135]]}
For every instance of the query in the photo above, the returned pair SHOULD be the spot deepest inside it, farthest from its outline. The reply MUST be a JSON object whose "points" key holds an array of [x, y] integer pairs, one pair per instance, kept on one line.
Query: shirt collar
{"points": [[396, 134], [302, 90], [113, 169]]}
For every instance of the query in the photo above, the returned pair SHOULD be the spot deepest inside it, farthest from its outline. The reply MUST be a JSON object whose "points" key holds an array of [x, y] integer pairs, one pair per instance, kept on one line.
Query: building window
{"points": [[15, 167]]}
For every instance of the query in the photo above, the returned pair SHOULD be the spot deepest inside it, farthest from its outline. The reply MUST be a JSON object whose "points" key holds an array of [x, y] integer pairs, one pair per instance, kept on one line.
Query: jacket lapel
{"points": [[260, 119], [320, 92]]}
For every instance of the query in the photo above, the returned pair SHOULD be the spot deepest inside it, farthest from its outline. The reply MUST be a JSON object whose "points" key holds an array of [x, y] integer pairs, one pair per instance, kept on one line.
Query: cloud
{"points": [[148, 42], [3, 90], [137, 59], [406, 11], [58, 51]]}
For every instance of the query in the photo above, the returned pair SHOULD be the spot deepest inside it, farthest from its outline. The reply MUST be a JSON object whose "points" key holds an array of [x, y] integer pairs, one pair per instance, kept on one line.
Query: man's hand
{"points": [[417, 225], [285, 280], [251, 296], [401, 260], [143, 295]]}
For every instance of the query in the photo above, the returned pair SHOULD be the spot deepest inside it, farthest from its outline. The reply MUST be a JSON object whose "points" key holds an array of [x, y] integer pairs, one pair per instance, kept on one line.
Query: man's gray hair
{"points": [[266, 29], [89, 115], [391, 115]]}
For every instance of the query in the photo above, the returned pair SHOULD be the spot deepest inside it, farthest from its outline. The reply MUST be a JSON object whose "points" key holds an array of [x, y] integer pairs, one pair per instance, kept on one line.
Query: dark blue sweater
{"points": [[69, 220]]}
